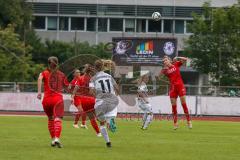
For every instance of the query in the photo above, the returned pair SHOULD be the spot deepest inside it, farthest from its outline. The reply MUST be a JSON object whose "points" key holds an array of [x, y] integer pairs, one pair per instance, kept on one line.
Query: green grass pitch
{"points": [[27, 138]]}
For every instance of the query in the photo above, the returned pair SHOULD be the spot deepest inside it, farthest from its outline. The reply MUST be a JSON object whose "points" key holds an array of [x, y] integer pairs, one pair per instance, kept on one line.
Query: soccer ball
{"points": [[156, 16]]}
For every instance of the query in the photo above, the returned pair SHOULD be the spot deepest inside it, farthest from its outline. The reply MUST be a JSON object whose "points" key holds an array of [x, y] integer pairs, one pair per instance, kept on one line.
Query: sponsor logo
{"points": [[145, 48], [169, 48], [121, 47], [169, 71]]}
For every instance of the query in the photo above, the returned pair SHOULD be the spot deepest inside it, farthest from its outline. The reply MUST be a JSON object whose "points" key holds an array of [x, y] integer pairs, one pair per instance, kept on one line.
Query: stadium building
{"points": [[98, 21]]}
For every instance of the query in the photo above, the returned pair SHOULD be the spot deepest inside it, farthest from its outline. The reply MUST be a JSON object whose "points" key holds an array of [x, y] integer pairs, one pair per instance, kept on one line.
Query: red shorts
{"points": [[77, 101], [87, 103], [53, 106], [177, 90]]}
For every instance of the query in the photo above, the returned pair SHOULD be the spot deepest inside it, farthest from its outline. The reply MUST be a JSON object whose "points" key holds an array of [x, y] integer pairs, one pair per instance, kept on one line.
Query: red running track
{"points": [[135, 116]]}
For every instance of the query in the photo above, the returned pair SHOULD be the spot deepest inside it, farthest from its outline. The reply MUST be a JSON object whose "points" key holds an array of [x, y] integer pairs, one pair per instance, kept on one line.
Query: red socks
{"points": [[51, 128], [77, 117], [84, 117], [185, 109], [95, 125], [57, 127], [174, 112]]}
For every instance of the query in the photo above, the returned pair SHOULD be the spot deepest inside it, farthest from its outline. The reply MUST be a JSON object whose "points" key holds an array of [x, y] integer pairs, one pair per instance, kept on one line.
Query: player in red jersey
{"points": [[54, 83], [87, 101], [77, 101], [171, 69]]}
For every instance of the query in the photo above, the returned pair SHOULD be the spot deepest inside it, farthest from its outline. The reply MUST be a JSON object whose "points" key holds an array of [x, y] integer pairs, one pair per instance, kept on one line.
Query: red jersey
{"points": [[54, 82], [173, 73], [83, 83], [74, 82]]}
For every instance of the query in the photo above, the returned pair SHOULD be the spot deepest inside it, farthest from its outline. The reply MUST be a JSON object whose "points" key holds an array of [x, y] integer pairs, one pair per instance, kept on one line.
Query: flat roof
{"points": [[186, 3]]}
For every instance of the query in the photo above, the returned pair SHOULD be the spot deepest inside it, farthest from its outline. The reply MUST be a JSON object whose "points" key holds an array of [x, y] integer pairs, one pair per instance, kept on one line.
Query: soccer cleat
{"points": [[144, 128], [189, 124], [99, 135], [58, 143], [53, 143], [75, 126], [109, 145], [175, 126], [112, 125], [84, 126]]}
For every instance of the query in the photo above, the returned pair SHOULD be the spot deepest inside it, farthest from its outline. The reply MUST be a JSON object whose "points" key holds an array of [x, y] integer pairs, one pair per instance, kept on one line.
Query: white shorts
{"points": [[106, 108], [145, 107]]}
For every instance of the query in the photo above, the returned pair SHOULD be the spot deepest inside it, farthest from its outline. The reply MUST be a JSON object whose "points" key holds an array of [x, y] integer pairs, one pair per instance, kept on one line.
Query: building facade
{"points": [[98, 21]]}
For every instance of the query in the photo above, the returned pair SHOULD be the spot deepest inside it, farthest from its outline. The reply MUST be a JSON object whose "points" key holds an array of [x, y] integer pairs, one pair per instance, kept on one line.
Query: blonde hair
{"points": [[140, 79], [108, 64]]}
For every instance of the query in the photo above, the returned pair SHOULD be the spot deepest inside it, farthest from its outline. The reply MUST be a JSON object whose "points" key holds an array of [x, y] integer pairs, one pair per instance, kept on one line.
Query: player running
{"points": [[86, 100], [105, 89], [77, 101], [54, 82], [143, 101], [172, 71]]}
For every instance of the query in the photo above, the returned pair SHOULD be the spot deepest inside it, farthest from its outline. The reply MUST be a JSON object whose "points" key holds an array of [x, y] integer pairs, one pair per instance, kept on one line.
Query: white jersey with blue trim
{"points": [[103, 83]]}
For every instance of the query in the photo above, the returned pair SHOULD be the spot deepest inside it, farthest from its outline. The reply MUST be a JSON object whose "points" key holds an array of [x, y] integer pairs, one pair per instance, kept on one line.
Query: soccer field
{"points": [[23, 138]]}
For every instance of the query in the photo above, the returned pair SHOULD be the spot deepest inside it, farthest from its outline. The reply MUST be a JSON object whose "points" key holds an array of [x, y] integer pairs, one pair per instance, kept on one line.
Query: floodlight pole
{"points": [[219, 64], [96, 36], [58, 19]]}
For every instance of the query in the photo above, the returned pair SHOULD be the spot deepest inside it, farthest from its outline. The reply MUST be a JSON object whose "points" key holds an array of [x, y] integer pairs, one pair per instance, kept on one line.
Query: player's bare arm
{"points": [[116, 88], [40, 78], [182, 59], [92, 92]]}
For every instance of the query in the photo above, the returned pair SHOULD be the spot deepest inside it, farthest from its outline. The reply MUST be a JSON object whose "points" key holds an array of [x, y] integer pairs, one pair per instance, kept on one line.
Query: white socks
{"points": [[147, 121], [104, 132]]}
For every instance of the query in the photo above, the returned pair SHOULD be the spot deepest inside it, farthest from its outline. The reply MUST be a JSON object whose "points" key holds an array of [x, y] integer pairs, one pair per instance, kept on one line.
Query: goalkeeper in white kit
{"points": [[143, 101]]}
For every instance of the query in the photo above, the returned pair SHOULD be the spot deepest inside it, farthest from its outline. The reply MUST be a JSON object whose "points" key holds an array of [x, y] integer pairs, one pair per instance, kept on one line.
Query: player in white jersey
{"points": [[105, 89], [143, 101]]}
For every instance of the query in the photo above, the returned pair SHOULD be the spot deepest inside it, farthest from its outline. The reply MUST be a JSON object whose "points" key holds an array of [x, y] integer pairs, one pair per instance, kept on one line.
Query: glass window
{"points": [[52, 23], [129, 25], [154, 26], [63, 23], [77, 23], [102, 24], [179, 26], [168, 26], [91, 24], [39, 22], [141, 25], [116, 24], [187, 26]]}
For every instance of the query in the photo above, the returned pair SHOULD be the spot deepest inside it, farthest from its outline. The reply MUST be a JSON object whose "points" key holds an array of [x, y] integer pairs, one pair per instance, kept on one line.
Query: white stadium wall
{"points": [[228, 106]]}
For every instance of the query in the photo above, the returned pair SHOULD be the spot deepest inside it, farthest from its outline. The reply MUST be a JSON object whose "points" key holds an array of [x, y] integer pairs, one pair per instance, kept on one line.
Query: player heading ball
{"points": [[171, 69]]}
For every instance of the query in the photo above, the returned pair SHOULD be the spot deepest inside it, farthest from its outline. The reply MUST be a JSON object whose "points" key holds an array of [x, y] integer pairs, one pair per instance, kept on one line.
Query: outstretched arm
{"points": [[159, 76], [40, 78]]}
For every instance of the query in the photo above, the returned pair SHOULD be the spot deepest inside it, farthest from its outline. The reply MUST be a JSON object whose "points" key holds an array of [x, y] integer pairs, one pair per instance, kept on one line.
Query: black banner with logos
{"points": [[142, 51]]}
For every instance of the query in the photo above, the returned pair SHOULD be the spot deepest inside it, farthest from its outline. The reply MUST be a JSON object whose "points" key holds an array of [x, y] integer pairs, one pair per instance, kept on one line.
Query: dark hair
{"points": [[52, 62], [98, 65], [88, 68]]}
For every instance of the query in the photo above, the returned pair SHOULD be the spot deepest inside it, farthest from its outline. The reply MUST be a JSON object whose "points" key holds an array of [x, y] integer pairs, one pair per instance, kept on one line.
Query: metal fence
{"points": [[222, 91]]}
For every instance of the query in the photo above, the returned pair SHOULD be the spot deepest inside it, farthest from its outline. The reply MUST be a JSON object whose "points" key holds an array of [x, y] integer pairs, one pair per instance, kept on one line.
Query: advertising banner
{"points": [[144, 51]]}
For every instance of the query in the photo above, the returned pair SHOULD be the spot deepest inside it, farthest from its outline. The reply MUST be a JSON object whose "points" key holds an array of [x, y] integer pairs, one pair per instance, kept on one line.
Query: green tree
{"points": [[15, 60], [17, 13], [214, 45]]}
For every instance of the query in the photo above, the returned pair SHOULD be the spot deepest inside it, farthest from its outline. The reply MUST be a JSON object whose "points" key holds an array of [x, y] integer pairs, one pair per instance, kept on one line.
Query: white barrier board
{"points": [[127, 104]]}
